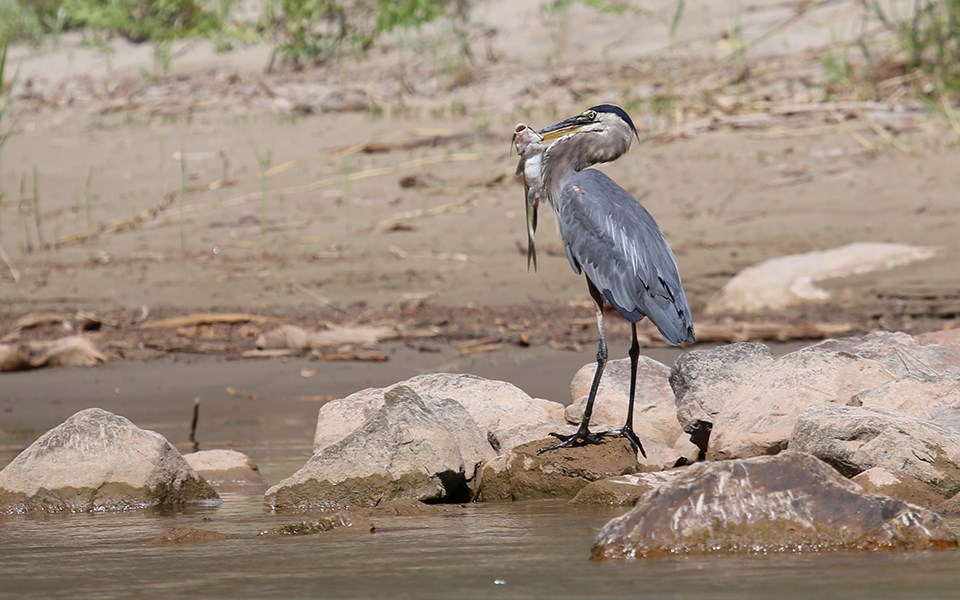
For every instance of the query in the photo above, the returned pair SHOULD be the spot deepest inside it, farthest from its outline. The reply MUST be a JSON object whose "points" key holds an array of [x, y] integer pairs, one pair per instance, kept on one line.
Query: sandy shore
{"points": [[377, 182]]}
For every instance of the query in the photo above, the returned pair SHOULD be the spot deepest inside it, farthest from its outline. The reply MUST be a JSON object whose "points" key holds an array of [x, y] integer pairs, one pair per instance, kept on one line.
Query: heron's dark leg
{"points": [[583, 434], [627, 429]]}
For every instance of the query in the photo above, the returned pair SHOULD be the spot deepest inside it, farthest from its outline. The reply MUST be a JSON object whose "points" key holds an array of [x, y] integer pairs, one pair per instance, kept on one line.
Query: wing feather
{"points": [[610, 236]]}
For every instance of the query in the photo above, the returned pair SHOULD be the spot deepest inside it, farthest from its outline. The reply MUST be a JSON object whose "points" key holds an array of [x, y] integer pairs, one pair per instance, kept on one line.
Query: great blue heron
{"points": [[612, 239]]}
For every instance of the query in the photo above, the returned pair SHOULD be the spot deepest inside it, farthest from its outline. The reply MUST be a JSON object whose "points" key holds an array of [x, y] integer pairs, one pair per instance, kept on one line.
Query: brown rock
{"points": [[623, 490], [785, 503], [522, 474], [339, 521], [899, 485], [654, 412], [187, 535]]}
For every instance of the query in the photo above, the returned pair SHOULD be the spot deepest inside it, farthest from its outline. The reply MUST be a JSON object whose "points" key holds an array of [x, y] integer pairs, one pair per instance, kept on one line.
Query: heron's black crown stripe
{"points": [[613, 108]]}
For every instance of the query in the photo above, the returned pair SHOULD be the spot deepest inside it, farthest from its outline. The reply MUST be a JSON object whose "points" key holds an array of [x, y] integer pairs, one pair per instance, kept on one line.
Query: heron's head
{"points": [[599, 134]]}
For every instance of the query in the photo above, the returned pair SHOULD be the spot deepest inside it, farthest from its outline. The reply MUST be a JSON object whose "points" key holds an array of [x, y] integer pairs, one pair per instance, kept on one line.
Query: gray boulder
{"points": [[739, 401], [99, 461], [790, 502], [654, 411], [227, 470], [413, 446], [506, 415], [854, 439]]}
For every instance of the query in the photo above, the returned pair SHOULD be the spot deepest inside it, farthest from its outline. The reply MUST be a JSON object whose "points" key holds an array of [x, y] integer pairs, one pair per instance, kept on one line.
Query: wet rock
{"points": [[786, 503], [738, 401], [522, 474], [99, 461], [787, 280], [654, 412], [505, 414], [413, 446], [855, 439], [339, 521], [623, 490], [898, 485], [187, 535], [227, 470]]}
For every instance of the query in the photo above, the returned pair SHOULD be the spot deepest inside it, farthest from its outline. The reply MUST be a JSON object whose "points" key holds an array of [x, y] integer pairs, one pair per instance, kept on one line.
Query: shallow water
{"points": [[522, 550]]}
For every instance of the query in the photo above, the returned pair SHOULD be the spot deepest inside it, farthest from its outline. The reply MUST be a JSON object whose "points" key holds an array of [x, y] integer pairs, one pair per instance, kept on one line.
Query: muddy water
{"points": [[524, 550]]}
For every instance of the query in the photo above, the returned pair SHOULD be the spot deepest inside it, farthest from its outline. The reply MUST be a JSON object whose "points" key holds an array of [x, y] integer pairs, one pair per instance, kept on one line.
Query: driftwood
{"points": [[747, 331], [372, 356], [488, 344], [206, 319], [70, 351], [424, 138]]}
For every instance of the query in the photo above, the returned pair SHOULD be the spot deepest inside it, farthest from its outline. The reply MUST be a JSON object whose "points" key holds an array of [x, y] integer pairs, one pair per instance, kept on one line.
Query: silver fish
{"points": [[530, 147]]}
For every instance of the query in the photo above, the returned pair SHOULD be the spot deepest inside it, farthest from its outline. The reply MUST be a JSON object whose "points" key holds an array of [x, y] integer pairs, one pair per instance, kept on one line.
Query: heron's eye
{"points": [[591, 115]]}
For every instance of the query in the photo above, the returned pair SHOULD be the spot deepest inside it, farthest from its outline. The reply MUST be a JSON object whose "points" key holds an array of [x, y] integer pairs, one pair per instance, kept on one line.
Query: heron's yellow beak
{"points": [[571, 125]]}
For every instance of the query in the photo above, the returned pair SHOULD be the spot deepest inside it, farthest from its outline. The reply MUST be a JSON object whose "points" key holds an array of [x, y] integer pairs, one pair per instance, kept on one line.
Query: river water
{"points": [[521, 550]]}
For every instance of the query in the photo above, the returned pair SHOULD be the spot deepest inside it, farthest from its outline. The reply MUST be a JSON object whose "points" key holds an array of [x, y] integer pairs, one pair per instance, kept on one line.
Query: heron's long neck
{"points": [[574, 153]]}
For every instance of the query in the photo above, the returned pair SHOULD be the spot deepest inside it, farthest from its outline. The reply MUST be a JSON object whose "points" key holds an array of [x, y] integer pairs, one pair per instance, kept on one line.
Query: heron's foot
{"points": [[581, 438], [627, 432]]}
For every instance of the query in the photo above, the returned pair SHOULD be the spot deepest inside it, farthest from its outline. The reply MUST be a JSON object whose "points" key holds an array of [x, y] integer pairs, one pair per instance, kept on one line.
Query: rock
{"points": [[623, 490], [785, 503], [414, 446], [855, 439], [99, 461], [284, 337], [902, 354], [187, 535], [738, 401], [505, 414], [227, 470], [522, 474], [654, 411], [951, 506], [901, 486], [321, 525], [786, 280]]}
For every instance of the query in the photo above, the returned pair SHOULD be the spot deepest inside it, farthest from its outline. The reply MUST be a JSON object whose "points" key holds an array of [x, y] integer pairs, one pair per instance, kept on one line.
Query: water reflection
{"points": [[524, 550]]}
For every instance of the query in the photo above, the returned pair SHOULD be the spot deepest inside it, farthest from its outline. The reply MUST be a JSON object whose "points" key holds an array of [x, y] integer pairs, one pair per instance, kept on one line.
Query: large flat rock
{"points": [[792, 502]]}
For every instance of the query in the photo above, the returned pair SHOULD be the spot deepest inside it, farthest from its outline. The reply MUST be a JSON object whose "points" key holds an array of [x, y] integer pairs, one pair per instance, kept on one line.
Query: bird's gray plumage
{"points": [[612, 238]]}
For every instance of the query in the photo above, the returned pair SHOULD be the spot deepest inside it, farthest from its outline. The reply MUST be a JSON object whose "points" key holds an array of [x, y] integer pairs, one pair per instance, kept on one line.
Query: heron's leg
{"points": [[627, 429], [583, 434]]}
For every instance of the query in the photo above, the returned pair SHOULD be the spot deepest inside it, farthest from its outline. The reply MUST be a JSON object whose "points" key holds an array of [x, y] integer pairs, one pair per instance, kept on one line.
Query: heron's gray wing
{"points": [[612, 238]]}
